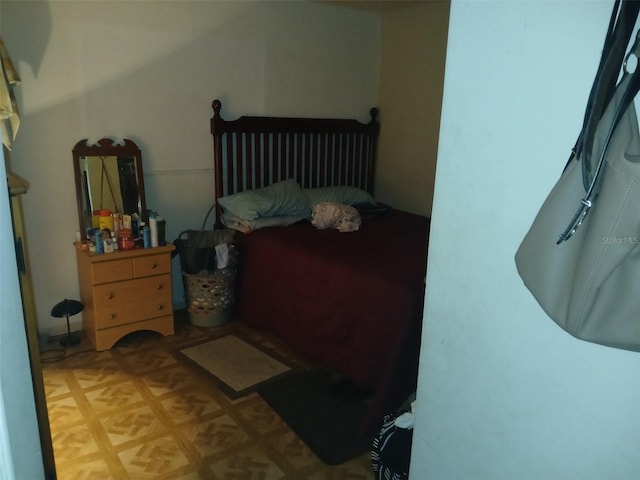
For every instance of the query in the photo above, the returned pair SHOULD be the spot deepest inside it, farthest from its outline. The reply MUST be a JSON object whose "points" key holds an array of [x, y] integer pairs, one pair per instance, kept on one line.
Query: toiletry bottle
{"points": [[117, 223], [153, 229], [162, 228], [99, 241], [95, 219], [146, 235], [108, 245], [106, 219], [135, 225]]}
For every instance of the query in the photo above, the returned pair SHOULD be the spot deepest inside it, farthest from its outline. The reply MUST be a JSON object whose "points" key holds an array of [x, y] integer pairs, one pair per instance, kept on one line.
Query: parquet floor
{"points": [[136, 412]]}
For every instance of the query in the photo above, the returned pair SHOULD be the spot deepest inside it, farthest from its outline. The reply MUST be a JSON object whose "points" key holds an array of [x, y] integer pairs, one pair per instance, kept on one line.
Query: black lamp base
{"points": [[64, 309], [70, 340]]}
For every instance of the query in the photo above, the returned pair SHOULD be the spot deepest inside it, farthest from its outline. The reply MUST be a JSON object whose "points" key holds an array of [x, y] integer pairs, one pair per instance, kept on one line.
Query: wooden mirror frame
{"points": [[106, 147]]}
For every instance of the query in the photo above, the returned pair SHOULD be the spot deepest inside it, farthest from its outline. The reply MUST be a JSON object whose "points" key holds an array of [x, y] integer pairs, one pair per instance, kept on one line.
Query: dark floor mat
{"points": [[328, 421]]}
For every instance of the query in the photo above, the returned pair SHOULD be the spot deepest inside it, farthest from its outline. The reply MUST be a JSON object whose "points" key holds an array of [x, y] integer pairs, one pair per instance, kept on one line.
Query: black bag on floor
{"points": [[391, 449]]}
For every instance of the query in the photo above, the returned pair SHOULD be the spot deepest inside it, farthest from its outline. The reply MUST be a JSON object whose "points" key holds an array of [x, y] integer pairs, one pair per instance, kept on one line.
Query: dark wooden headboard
{"points": [[254, 152]]}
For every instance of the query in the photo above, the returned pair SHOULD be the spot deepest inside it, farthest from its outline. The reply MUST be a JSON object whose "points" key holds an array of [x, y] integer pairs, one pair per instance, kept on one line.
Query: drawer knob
{"points": [[159, 287], [154, 265], [109, 296], [160, 307], [112, 316]]}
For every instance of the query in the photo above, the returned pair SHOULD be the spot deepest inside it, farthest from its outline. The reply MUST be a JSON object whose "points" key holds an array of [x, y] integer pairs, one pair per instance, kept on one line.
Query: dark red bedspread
{"points": [[352, 302]]}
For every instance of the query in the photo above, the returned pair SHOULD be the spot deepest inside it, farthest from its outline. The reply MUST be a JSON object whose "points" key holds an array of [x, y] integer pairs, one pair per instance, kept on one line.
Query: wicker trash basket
{"points": [[211, 297], [208, 289]]}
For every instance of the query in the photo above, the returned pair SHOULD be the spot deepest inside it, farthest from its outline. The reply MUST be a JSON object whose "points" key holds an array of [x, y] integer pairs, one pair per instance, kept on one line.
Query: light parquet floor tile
{"points": [[64, 410], [153, 458], [72, 442], [114, 397], [90, 470], [149, 360], [188, 406], [260, 415], [129, 425], [55, 383], [99, 372], [250, 464], [171, 379], [135, 412], [215, 435]]}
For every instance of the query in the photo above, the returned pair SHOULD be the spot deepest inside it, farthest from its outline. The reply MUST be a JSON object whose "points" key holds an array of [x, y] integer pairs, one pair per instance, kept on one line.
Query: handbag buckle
{"points": [[578, 218]]}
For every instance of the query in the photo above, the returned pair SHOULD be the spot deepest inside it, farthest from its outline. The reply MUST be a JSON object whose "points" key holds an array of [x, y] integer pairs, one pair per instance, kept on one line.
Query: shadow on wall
{"points": [[38, 37]]}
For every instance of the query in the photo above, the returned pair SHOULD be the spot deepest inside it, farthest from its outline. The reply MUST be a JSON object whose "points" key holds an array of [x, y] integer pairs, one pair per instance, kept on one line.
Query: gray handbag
{"points": [[583, 267]]}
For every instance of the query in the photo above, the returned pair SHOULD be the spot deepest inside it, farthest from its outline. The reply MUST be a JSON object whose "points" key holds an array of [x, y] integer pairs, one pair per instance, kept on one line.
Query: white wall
{"points": [[504, 393], [414, 40], [149, 71]]}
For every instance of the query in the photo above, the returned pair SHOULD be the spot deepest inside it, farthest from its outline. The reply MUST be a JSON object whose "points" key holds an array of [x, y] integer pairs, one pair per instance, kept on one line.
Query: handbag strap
{"points": [[621, 25], [629, 86]]}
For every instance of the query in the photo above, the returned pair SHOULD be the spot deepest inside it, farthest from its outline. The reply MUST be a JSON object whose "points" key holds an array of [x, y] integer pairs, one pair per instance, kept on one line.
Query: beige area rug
{"points": [[237, 366]]}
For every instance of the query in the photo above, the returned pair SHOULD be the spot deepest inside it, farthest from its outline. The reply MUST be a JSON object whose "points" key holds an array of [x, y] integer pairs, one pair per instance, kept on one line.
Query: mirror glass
{"points": [[108, 177]]}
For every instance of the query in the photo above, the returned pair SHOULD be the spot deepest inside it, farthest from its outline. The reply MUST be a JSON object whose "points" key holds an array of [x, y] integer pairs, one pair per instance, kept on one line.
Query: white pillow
{"points": [[248, 226], [338, 194], [284, 198]]}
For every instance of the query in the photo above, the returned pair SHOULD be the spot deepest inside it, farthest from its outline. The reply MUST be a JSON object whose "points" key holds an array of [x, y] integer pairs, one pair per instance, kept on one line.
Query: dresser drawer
{"points": [[124, 313], [151, 265], [114, 294], [132, 301], [112, 271]]}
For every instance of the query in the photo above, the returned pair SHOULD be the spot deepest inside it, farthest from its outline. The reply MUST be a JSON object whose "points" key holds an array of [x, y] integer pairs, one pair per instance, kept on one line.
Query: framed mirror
{"points": [[108, 176]]}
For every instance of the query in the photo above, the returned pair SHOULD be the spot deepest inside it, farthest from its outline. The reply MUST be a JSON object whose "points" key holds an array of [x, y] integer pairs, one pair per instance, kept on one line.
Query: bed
{"points": [[350, 302]]}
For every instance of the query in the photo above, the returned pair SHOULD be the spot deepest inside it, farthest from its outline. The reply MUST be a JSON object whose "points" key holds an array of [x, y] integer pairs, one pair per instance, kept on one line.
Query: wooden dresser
{"points": [[124, 292]]}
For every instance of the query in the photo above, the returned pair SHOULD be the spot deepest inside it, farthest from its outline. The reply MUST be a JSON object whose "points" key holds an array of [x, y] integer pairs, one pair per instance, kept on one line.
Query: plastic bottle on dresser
{"points": [[146, 235], [117, 223], [106, 219], [135, 225], [99, 241], [153, 228], [108, 244], [162, 227]]}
